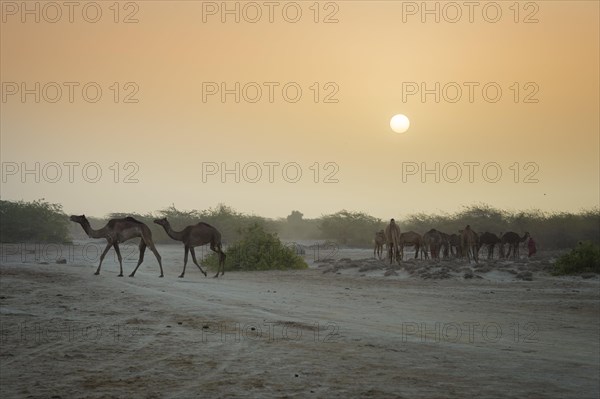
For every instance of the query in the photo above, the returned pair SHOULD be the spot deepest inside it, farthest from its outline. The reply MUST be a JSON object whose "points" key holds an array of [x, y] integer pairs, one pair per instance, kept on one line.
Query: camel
{"points": [[470, 243], [118, 231], [489, 240], [513, 240], [379, 242], [445, 244], [455, 245], [195, 236], [432, 241], [392, 238], [410, 238]]}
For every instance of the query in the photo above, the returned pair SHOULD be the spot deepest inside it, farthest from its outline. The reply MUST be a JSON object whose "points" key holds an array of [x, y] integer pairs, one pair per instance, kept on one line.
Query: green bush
{"points": [[258, 250], [37, 221], [583, 259]]}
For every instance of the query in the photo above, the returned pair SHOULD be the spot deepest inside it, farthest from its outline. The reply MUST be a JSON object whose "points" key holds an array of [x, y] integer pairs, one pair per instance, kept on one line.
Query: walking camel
{"points": [[470, 244], [513, 240], [392, 238], [379, 242], [195, 236], [118, 231]]}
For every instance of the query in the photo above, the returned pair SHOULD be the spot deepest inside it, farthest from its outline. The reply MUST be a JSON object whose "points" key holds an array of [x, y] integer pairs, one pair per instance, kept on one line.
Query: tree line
{"points": [[41, 221]]}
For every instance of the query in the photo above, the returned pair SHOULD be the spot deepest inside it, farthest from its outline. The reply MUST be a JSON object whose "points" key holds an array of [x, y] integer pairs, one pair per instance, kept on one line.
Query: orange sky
{"points": [[368, 56]]}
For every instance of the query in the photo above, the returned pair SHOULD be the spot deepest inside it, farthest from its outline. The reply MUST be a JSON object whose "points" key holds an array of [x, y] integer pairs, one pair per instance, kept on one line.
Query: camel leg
{"points": [[222, 258], [141, 259], [108, 245], [217, 249], [158, 258], [185, 259], [118, 251], [195, 261]]}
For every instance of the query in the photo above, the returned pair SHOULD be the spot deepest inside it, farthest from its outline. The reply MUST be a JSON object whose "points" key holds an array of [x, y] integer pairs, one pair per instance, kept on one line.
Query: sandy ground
{"points": [[340, 329]]}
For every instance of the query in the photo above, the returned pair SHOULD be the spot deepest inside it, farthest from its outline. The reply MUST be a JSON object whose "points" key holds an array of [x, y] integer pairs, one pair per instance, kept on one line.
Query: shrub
{"points": [[584, 258], [37, 221], [258, 250]]}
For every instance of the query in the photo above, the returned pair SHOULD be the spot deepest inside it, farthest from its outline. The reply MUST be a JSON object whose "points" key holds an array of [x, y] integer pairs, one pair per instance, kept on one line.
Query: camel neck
{"points": [[91, 232], [176, 235]]}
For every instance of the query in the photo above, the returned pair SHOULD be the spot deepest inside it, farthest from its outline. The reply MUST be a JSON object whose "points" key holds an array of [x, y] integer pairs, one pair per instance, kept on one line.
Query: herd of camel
{"points": [[466, 243]]}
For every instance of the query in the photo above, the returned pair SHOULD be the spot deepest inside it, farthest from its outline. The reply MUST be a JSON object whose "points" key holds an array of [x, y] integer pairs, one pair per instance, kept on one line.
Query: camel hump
{"points": [[130, 219], [205, 224]]}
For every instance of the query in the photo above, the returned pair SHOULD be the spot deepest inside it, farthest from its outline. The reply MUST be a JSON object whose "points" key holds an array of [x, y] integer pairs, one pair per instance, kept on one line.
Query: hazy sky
{"points": [[327, 92]]}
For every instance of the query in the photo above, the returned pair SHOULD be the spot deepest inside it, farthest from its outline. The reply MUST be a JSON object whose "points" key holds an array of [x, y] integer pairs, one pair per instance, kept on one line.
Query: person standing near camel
{"points": [[392, 238], [531, 246]]}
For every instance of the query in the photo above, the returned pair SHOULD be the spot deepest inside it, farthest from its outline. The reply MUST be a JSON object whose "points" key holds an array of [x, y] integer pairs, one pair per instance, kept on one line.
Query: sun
{"points": [[399, 123]]}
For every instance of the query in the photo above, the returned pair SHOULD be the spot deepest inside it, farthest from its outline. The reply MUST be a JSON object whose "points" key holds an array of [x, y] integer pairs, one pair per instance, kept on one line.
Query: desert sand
{"points": [[346, 327]]}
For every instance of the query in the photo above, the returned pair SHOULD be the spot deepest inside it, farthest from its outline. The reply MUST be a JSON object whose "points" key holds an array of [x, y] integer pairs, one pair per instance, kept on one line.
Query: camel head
{"points": [[81, 219], [163, 222]]}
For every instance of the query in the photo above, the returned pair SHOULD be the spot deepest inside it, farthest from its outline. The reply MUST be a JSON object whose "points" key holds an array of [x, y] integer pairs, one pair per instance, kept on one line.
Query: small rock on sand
{"points": [[526, 276]]}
